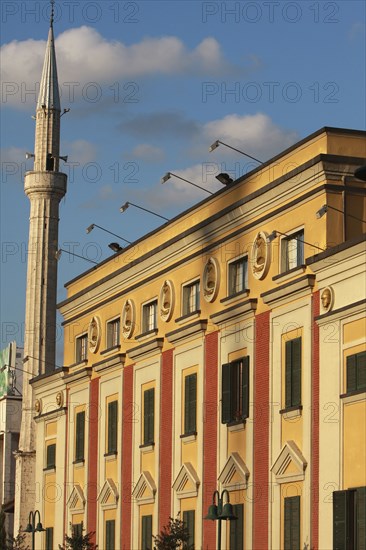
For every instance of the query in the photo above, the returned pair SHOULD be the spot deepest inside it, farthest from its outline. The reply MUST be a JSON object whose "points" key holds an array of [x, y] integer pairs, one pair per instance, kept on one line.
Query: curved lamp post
{"points": [[220, 511], [32, 527]]}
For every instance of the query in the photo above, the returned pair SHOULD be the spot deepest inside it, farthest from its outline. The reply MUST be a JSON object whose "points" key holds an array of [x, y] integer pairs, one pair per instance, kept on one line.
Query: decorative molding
{"points": [[145, 489], [211, 279], [117, 360], [289, 454], [187, 482], [94, 334], [79, 374], [128, 318], [235, 474], [194, 329], [260, 255], [76, 501], [299, 286], [152, 346], [109, 489], [327, 299], [238, 310], [167, 300]]}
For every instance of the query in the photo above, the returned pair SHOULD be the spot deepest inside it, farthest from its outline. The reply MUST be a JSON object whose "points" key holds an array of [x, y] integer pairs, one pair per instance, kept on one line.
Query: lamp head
{"points": [[28, 529], [124, 207], [64, 158], [115, 247], [320, 213], [167, 177], [214, 146], [29, 156], [90, 228], [58, 254], [39, 527], [227, 512], [271, 237], [360, 173], [212, 512], [224, 178]]}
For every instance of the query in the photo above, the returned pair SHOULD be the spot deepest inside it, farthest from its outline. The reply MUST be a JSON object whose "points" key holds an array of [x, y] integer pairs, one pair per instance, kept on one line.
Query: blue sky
{"points": [[150, 85]]}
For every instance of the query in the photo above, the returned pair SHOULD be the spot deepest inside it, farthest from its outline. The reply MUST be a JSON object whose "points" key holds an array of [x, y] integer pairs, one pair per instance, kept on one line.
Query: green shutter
{"points": [[300, 248], [361, 370], [292, 523], [80, 436], [296, 372], [245, 387], [361, 518], [340, 520], [288, 373], [149, 398], [110, 534], [51, 455], [112, 426], [189, 522], [237, 528], [146, 535], [49, 538], [226, 394], [351, 373], [190, 403]]}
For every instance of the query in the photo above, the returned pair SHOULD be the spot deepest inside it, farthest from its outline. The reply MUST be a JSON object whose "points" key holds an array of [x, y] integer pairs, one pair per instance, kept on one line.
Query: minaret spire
{"points": [[45, 186]]}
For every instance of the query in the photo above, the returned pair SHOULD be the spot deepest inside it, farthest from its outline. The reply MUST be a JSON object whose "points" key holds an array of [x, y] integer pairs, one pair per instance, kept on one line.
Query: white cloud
{"points": [[146, 152], [81, 151], [84, 56]]}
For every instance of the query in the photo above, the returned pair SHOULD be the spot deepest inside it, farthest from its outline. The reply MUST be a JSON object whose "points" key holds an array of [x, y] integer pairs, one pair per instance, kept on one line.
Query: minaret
{"points": [[45, 186]]}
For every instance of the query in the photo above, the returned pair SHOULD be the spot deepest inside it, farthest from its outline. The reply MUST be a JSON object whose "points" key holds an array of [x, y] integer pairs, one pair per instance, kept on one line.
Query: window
{"points": [[149, 316], [191, 298], [292, 523], [356, 372], [292, 251], [190, 403], [81, 348], [238, 276], [188, 520], [349, 519], [112, 427], [51, 456], [293, 373], [77, 529], [146, 533], [237, 528], [113, 332], [110, 528], [235, 391], [80, 436], [149, 399], [49, 538]]}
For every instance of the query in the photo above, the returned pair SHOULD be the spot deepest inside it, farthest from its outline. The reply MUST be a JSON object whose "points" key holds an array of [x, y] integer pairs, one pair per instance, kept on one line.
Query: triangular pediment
{"points": [[145, 489], [290, 464], [76, 501], [234, 475], [108, 496], [186, 483]]}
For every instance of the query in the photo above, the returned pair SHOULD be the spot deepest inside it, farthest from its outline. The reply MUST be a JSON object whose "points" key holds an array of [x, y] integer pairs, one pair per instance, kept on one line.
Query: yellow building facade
{"points": [[223, 351]]}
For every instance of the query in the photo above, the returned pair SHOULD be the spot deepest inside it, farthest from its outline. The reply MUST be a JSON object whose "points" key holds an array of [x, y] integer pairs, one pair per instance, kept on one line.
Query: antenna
{"points": [[52, 12]]}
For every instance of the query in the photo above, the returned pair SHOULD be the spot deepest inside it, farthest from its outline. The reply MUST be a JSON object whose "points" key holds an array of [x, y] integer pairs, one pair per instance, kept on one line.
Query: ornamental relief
{"points": [[94, 334], [260, 256], [327, 298], [166, 300], [211, 280], [128, 318]]}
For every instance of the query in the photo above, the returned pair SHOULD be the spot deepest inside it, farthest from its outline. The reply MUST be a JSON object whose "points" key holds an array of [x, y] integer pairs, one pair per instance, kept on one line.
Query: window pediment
{"points": [[187, 482], [290, 464], [108, 496], [76, 501], [145, 489], [235, 473]]}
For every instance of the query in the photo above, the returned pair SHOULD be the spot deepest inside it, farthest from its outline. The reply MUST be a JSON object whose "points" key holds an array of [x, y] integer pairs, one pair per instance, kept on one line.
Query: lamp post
{"points": [[220, 511], [32, 527]]}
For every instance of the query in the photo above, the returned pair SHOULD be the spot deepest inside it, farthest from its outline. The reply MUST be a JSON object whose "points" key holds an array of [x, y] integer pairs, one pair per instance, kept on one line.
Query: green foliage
{"points": [[2, 529], [79, 542], [17, 543], [172, 536]]}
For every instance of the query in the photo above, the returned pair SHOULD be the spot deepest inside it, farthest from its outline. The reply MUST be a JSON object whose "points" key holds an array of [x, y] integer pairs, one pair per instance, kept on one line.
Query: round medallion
{"points": [[94, 334], [260, 256], [211, 280], [327, 298], [166, 300], [128, 319], [59, 398], [38, 406]]}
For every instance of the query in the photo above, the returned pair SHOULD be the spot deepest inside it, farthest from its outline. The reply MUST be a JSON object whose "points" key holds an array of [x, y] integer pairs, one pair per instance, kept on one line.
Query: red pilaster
{"points": [[314, 540], [261, 432], [127, 420], [166, 414], [93, 418], [210, 408], [66, 493]]}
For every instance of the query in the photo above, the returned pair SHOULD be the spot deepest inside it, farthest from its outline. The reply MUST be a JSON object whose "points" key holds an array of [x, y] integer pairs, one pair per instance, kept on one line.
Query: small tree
{"points": [[172, 536], [18, 542], [79, 541], [2, 529]]}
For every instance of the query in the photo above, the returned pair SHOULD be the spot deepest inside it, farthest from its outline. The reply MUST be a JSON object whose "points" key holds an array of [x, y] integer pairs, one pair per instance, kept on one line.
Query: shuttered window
{"points": [[146, 533], [356, 372], [49, 538], [190, 403], [77, 529], [235, 391], [237, 528], [292, 523], [113, 333], [292, 251], [80, 436], [293, 373], [189, 521], [238, 276], [191, 298], [349, 519], [112, 427], [110, 534], [149, 403], [51, 456]]}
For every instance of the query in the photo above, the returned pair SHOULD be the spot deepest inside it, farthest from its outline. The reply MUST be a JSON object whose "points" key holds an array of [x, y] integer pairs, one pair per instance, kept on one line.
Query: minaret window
{"points": [[50, 163]]}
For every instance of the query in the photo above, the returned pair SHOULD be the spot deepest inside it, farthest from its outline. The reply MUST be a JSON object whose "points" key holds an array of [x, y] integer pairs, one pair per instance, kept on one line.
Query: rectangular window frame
{"points": [[356, 372], [49, 538], [81, 348], [292, 523], [190, 404], [110, 534], [113, 333], [80, 436], [237, 283], [189, 520], [146, 532], [235, 391], [191, 298], [50, 456], [112, 427], [148, 417], [236, 529], [150, 316], [292, 251], [293, 373], [349, 518]]}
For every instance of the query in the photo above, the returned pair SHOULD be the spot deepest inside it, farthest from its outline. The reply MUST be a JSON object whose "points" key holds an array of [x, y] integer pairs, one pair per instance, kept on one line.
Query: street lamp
{"points": [[219, 512], [128, 203], [32, 527], [91, 227], [168, 175], [219, 142]]}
